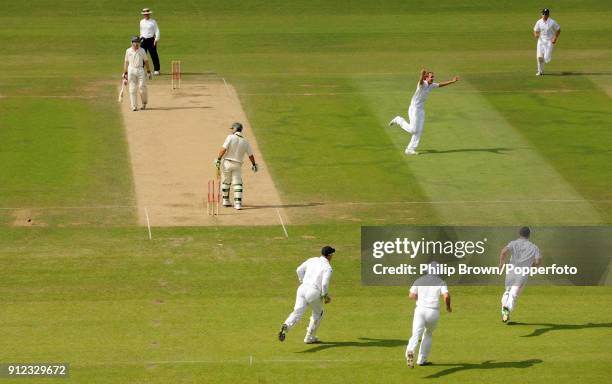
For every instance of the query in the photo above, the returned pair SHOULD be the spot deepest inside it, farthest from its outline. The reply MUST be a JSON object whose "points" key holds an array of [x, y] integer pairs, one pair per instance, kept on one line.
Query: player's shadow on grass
{"points": [[578, 74], [548, 327], [362, 342], [489, 364], [175, 108], [498, 151], [304, 205]]}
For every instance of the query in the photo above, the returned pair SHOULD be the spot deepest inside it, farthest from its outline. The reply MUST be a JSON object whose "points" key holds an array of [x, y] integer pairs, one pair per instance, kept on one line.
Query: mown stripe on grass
{"points": [[64, 152], [572, 132], [471, 152], [328, 150]]}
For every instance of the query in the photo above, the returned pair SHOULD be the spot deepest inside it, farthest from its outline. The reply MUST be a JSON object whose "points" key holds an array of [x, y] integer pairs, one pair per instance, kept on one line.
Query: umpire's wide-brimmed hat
{"points": [[146, 11]]}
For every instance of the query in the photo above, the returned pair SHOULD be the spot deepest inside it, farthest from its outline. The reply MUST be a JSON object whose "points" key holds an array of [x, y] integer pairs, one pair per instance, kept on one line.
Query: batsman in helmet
{"points": [[229, 162]]}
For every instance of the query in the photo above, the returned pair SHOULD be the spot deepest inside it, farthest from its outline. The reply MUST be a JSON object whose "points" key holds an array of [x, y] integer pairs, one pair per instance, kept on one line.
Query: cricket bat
{"points": [[123, 83]]}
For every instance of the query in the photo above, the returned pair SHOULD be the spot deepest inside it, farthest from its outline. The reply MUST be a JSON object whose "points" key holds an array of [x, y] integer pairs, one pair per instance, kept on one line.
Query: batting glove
{"points": [[254, 168], [217, 163], [326, 299], [149, 75]]}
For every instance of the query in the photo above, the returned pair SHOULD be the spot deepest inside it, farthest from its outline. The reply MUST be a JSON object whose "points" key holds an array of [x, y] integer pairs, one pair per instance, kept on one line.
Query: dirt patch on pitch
{"points": [[172, 147]]}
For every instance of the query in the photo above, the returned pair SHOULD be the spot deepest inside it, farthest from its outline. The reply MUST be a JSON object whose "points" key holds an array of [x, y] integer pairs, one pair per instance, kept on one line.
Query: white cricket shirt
{"points": [[524, 252], [421, 93], [135, 58], [428, 289], [547, 29], [149, 28], [236, 147], [316, 272]]}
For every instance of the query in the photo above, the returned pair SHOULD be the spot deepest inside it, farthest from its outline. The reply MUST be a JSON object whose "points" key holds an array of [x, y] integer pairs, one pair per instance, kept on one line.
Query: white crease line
{"points": [[53, 96], [539, 91], [226, 87], [281, 221], [250, 361], [351, 203], [83, 207], [148, 222]]}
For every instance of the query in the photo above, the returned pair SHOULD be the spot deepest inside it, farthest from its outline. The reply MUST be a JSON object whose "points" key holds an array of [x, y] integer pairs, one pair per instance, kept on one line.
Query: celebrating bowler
{"points": [[416, 111]]}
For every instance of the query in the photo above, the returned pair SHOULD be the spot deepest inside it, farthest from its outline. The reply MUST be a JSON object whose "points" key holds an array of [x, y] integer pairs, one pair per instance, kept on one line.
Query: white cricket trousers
{"points": [[307, 296], [544, 53], [511, 295], [231, 172], [424, 323], [414, 127], [136, 81]]}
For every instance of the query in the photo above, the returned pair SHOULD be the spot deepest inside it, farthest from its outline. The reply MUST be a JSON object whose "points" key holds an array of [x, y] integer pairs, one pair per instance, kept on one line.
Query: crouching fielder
{"points": [[426, 290], [547, 31], [133, 71], [314, 275], [523, 253], [416, 111], [232, 152]]}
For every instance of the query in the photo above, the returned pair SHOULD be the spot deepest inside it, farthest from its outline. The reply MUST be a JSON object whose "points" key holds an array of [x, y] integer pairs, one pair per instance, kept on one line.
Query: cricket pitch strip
{"points": [[173, 144]]}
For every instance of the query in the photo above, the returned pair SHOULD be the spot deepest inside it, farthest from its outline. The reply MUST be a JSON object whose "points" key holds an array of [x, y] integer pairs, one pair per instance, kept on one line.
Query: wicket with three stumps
{"points": [[176, 74], [213, 198]]}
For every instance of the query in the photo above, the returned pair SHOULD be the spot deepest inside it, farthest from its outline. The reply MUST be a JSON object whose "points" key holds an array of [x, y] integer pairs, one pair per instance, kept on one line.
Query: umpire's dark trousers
{"points": [[149, 47]]}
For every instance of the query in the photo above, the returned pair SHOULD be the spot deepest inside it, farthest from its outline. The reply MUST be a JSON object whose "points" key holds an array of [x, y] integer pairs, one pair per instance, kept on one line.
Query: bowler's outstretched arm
{"points": [[423, 75], [445, 83]]}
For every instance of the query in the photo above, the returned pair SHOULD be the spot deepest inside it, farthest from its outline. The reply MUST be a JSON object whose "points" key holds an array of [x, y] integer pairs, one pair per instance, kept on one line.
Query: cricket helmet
{"points": [[237, 127], [327, 250]]}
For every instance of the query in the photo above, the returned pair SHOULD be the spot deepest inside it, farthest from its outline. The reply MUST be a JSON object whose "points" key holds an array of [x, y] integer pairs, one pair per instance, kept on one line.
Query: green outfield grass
{"points": [[202, 305], [319, 81]]}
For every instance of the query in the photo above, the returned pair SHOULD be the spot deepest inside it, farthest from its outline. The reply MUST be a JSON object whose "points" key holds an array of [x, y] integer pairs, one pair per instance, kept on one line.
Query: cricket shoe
{"points": [[393, 121], [411, 152], [144, 106], [539, 73], [410, 359], [424, 363], [238, 206], [134, 109], [311, 340], [226, 203], [156, 73], [283, 333], [505, 314]]}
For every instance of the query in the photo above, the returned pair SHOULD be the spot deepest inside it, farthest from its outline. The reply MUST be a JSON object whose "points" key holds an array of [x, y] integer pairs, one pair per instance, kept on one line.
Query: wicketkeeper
{"points": [[229, 161]]}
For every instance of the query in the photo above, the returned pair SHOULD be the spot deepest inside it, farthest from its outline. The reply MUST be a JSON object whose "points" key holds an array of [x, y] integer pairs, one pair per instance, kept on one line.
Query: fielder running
{"points": [[416, 111], [547, 31], [314, 275], [523, 253], [426, 290], [133, 71], [232, 152]]}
